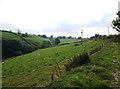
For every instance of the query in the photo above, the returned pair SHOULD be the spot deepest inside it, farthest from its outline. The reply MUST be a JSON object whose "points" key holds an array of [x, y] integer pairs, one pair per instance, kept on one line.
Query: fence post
{"points": [[52, 77]]}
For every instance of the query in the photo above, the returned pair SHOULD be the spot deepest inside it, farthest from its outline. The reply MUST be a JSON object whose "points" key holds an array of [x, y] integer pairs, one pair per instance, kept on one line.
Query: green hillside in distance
{"points": [[6, 35], [17, 44], [69, 40], [36, 38]]}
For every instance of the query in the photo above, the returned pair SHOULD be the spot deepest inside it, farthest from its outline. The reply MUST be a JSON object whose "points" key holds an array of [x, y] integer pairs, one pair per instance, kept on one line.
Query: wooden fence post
{"points": [[52, 77]]}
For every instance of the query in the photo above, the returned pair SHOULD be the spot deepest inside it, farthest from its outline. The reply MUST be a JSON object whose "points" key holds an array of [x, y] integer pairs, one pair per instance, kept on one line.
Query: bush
{"points": [[76, 44], [57, 41], [78, 61], [96, 50], [46, 44], [64, 44]]}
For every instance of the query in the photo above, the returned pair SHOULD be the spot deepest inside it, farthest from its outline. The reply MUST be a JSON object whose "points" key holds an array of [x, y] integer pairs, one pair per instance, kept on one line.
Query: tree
{"points": [[116, 22], [61, 37], [43, 36], [97, 35], [52, 40], [70, 37], [57, 41], [24, 35], [51, 37], [79, 37]]}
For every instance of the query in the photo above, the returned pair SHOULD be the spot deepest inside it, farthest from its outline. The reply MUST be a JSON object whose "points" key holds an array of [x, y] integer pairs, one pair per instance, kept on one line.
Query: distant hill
{"points": [[14, 44], [38, 41]]}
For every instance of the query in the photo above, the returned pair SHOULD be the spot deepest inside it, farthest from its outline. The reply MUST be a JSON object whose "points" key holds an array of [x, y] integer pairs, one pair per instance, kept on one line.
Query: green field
{"points": [[36, 68], [69, 40], [96, 74], [47, 67]]}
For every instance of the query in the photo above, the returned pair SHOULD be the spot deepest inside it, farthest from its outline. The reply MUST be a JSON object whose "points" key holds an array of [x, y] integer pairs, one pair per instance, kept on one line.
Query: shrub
{"points": [[57, 41], [76, 44], [78, 61], [45, 44], [96, 50], [64, 44]]}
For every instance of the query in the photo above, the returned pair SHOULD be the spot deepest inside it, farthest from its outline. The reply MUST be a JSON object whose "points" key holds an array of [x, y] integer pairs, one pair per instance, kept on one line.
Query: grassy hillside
{"points": [[36, 38], [48, 67], [38, 41], [15, 44], [96, 74], [11, 36], [36, 68]]}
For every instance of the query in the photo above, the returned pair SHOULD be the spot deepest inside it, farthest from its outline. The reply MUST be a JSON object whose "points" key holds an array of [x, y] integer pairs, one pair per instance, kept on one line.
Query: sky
{"points": [[59, 17]]}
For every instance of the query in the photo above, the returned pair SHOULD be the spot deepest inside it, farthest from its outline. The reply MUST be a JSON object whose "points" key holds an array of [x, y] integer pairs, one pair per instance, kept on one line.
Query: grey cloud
{"points": [[65, 27], [102, 23], [68, 27], [7, 26]]}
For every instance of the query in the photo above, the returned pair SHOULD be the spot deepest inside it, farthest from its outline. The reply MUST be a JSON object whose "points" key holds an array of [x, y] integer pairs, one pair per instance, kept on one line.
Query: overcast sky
{"points": [[58, 17]]}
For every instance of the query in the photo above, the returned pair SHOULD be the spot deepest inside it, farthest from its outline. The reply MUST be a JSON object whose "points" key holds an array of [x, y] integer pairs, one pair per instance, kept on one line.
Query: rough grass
{"points": [[83, 77], [36, 68], [98, 74]]}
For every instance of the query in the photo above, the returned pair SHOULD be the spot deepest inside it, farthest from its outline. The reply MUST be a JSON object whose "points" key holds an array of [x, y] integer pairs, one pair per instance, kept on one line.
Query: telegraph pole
{"points": [[81, 35]]}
